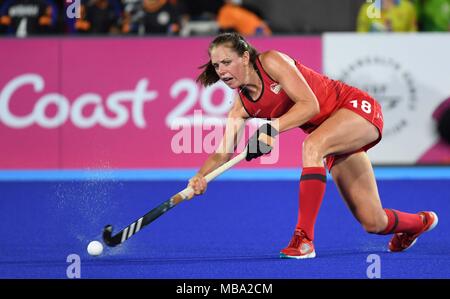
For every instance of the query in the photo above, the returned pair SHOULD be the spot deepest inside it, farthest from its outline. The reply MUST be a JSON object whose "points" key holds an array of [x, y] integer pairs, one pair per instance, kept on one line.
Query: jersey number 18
{"points": [[365, 106]]}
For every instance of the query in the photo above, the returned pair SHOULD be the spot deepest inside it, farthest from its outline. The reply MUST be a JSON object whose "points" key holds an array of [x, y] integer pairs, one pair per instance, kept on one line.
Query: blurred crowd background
{"points": [[207, 17]]}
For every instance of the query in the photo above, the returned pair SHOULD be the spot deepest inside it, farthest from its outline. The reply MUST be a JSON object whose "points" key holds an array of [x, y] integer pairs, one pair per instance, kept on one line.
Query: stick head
{"points": [[107, 235]]}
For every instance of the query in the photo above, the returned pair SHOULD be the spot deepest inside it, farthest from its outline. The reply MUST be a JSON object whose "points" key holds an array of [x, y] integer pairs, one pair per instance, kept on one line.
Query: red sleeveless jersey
{"points": [[273, 101]]}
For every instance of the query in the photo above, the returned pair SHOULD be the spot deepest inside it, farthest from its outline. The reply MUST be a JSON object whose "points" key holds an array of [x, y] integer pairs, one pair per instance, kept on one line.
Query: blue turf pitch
{"points": [[235, 230]]}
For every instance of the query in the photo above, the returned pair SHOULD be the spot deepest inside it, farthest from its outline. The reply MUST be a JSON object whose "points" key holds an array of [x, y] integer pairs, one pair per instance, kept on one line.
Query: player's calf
{"points": [[375, 225]]}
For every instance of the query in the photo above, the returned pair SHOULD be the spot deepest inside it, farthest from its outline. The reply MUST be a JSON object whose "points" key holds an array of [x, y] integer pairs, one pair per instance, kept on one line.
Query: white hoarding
{"points": [[409, 74]]}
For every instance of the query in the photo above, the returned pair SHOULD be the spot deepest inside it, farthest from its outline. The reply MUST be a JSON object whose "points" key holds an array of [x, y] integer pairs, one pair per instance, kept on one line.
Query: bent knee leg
{"points": [[313, 152]]}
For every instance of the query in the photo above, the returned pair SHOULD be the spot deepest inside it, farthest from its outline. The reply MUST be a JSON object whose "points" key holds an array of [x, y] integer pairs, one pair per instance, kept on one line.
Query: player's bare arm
{"points": [[283, 70], [233, 129]]}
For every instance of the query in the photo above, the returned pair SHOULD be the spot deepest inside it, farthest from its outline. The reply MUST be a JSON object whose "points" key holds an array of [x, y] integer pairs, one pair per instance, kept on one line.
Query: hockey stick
{"points": [[148, 218]]}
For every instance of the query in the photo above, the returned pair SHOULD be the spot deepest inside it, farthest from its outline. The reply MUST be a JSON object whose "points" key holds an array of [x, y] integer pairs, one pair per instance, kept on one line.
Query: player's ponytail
{"points": [[234, 41], [208, 75]]}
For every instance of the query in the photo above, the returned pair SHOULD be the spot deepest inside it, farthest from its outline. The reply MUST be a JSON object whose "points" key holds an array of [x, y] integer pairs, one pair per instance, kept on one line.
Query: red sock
{"points": [[401, 222], [312, 188]]}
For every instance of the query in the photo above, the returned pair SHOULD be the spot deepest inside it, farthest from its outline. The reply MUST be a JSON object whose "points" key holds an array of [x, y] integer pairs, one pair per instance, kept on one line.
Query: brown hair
{"points": [[234, 41]]}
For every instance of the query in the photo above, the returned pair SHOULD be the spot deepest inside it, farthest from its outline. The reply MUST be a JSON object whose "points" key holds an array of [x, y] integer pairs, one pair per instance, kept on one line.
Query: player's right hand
{"points": [[198, 183], [261, 142]]}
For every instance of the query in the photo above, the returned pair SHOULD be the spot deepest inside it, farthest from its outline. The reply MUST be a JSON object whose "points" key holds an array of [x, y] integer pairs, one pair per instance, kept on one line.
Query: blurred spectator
{"points": [[198, 17], [160, 17], [2, 26], [387, 15], [434, 15], [150, 17], [234, 17], [132, 14], [28, 17], [200, 10], [99, 17]]}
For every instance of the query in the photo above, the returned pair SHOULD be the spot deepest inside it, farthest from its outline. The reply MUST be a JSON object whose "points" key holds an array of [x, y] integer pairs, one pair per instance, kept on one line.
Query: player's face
{"points": [[229, 66]]}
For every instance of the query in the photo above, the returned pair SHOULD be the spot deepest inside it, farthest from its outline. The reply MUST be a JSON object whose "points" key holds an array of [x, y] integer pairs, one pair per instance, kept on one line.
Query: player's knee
{"points": [[312, 150]]}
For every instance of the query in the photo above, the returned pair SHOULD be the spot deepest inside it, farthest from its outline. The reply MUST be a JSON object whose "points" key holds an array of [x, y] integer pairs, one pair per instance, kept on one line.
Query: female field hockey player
{"points": [[342, 123]]}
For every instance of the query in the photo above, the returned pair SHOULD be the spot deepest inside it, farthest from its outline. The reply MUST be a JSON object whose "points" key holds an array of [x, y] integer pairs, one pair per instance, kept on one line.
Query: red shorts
{"points": [[365, 106]]}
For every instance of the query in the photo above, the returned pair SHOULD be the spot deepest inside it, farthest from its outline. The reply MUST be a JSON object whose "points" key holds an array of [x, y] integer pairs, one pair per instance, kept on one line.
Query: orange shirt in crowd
{"points": [[243, 21]]}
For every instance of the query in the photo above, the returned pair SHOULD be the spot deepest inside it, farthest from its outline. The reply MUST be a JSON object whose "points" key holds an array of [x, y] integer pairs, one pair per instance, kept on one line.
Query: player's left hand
{"points": [[198, 184], [261, 142]]}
